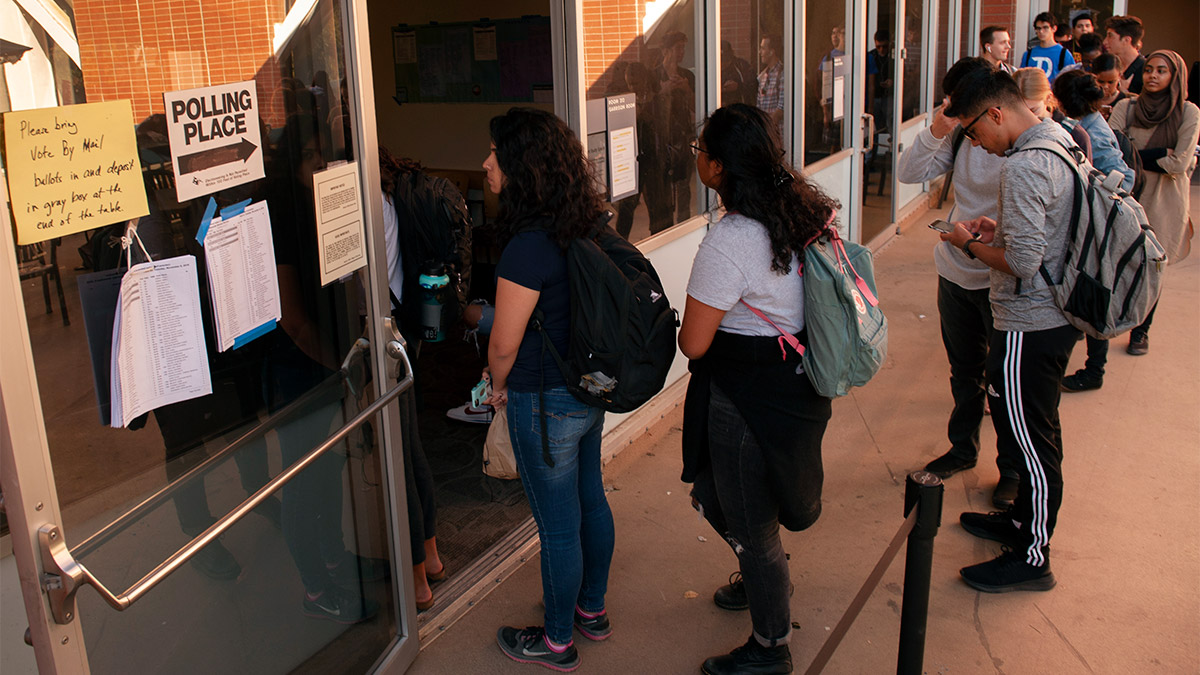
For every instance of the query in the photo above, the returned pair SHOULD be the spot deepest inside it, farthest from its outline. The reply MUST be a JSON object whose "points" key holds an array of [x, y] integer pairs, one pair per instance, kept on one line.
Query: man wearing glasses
{"points": [[1048, 55], [1031, 339], [962, 286]]}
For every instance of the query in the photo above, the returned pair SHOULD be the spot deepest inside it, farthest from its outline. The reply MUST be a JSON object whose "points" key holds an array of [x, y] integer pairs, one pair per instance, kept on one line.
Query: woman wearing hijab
{"points": [[1163, 126]]}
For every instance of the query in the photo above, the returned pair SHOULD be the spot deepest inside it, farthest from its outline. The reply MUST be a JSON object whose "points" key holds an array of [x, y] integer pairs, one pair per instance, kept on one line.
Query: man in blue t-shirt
{"points": [[1048, 55]]}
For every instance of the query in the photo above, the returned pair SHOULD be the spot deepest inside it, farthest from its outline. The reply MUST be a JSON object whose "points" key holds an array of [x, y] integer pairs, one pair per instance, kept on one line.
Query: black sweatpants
{"points": [[966, 318], [1024, 372]]}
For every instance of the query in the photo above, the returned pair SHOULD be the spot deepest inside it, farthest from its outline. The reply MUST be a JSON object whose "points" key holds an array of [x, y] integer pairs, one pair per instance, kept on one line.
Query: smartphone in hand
{"points": [[942, 226], [480, 393]]}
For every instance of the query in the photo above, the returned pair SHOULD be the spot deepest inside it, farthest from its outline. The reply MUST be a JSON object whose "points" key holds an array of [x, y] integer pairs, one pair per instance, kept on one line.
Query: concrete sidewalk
{"points": [[1126, 552]]}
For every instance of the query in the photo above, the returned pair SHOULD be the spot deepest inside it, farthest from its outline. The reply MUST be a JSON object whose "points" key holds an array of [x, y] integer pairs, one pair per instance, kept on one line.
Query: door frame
{"points": [[26, 472]]}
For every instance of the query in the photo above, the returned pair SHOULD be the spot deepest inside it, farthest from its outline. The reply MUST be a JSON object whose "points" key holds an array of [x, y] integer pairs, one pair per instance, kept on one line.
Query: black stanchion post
{"points": [[923, 491]]}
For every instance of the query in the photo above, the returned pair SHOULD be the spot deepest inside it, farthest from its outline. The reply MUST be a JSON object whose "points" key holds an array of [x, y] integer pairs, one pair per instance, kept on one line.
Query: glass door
{"points": [[882, 84], [246, 522]]}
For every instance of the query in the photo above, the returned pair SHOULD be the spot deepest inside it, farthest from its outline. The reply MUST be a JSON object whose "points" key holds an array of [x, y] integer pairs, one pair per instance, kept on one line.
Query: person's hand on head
{"points": [[942, 125]]}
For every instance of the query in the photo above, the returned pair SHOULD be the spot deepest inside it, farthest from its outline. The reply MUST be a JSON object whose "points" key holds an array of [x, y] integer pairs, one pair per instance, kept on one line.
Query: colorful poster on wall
{"points": [[215, 138], [72, 168]]}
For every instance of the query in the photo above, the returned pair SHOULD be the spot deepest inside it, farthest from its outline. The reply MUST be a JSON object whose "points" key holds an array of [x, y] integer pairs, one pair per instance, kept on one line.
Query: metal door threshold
{"points": [[467, 587]]}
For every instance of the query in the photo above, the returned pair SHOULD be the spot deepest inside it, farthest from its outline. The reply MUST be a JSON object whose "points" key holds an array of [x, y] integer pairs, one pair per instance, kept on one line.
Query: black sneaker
{"points": [[528, 645], [732, 596], [1082, 380], [1009, 572], [340, 605], [1138, 345], [996, 526], [1005, 493], [595, 628], [751, 659], [949, 464]]}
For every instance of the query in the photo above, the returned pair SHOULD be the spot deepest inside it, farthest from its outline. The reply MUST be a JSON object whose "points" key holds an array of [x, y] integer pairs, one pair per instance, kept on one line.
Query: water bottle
{"points": [[434, 284]]}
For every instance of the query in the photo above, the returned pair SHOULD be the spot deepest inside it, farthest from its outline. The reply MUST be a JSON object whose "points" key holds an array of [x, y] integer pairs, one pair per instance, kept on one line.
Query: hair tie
{"points": [[783, 177]]}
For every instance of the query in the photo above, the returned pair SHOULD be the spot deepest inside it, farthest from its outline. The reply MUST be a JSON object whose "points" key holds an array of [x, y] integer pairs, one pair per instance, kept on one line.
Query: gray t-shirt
{"points": [[734, 263]]}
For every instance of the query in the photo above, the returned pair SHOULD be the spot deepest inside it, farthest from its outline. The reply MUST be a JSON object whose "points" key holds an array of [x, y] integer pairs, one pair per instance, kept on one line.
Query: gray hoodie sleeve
{"points": [[1023, 207], [926, 159]]}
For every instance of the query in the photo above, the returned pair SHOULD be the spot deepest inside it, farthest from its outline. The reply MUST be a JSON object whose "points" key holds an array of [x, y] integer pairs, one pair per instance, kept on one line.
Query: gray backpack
{"points": [[1112, 273], [847, 331]]}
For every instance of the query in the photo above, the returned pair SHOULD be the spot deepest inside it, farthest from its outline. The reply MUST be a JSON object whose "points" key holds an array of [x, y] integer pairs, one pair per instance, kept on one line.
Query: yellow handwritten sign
{"points": [[72, 168]]}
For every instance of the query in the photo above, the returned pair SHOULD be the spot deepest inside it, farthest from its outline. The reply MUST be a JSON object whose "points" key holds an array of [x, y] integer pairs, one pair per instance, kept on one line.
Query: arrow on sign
{"points": [[207, 159]]}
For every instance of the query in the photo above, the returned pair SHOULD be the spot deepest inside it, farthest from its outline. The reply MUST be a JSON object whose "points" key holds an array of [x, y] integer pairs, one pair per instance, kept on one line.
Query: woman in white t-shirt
{"points": [[753, 423]]}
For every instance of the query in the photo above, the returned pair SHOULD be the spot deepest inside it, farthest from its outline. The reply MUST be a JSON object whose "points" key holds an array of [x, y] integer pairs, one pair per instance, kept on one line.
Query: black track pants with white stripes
{"points": [[1024, 371]]}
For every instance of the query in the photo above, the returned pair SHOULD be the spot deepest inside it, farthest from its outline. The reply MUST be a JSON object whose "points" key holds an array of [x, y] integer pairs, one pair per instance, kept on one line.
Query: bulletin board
{"points": [[502, 61]]}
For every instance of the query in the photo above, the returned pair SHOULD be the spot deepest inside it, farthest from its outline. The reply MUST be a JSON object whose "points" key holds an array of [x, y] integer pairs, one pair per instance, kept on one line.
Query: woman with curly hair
{"points": [[547, 199], [753, 423]]}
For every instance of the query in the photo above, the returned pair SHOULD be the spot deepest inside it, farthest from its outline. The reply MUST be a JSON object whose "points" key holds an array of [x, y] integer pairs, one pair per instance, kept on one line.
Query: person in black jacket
{"points": [[753, 423]]}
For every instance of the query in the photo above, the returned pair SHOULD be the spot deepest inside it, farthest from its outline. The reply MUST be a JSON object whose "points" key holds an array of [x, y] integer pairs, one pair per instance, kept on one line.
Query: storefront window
{"points": [[826, 94], [1098, 11], [752, 68], [913, 102], [647, 52]]}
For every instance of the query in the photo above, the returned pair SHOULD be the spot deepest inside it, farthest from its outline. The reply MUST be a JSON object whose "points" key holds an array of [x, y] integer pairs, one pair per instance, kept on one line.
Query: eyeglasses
{"points": [[696, 150], [967, 129]]}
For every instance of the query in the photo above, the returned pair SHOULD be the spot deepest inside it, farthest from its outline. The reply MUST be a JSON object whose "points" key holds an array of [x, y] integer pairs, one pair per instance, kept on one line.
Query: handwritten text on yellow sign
{"points": [[72, 168]]}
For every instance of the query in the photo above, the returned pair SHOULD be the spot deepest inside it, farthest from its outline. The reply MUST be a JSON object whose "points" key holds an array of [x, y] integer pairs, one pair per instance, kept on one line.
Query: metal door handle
{"points": [[869, 119], [64, 575]]}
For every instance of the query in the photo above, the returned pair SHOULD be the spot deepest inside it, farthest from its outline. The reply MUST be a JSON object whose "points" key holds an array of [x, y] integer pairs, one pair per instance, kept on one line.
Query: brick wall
{"points": [[737, 26], [138, 50], [998, 13], [612, 32]]}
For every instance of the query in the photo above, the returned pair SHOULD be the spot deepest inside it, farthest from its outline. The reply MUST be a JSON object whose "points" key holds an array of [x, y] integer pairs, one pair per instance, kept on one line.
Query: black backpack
{"points": [[1133, 160], [622, 338], [622, 325], [434, 227]]}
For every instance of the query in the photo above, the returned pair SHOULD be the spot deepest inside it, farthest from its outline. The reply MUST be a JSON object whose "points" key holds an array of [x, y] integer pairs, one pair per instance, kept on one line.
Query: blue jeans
{"points": [[574, 523]]}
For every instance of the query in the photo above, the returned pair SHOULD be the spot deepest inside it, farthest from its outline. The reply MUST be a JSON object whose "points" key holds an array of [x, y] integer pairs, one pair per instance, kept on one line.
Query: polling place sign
{"points": [[215, 138]]}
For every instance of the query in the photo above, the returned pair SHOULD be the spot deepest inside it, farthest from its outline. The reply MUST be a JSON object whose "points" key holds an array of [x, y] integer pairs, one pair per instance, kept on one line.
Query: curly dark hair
{"points": [[547, 177], [756, 181], [1078, 93]]}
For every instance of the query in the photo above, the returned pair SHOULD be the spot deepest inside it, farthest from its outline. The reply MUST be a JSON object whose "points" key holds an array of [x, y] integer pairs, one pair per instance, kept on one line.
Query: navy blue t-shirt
{"points": [[534, 261]]}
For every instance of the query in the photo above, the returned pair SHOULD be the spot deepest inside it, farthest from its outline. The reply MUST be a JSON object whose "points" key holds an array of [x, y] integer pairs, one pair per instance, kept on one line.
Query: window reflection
{"points": [[826, 94], [752, 51], [913, 101], [639, 48]]}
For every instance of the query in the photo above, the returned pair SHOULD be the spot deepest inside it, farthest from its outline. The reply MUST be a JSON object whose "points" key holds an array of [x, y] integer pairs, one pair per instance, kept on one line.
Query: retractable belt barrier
{"points": [[923, 509]]}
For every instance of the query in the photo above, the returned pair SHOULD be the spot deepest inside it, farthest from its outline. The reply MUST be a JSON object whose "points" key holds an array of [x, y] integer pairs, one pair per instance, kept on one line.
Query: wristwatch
{"points": [[966, 247]]}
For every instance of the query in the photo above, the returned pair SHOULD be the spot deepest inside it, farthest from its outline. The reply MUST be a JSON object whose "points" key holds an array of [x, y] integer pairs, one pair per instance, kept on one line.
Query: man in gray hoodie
{"points": [[1031, 340], [962, 295]]}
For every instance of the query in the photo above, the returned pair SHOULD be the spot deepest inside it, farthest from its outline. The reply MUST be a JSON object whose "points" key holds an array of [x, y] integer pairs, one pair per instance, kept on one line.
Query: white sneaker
{"points": [[469, 413]]}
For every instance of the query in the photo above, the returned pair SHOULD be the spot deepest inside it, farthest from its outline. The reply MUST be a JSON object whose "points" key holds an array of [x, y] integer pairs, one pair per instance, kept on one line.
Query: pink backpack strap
{"points": [[786, 339], [827, 228]]}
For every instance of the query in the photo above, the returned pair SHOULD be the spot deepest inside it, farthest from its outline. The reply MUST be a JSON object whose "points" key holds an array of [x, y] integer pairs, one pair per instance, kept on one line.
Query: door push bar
{"points": [[64, 575]]}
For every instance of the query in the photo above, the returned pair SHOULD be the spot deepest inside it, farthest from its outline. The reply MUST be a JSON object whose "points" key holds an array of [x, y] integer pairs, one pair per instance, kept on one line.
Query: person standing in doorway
{"points": [[1123, 39], [1048, 56], [1031, 338], [548, 198]]}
